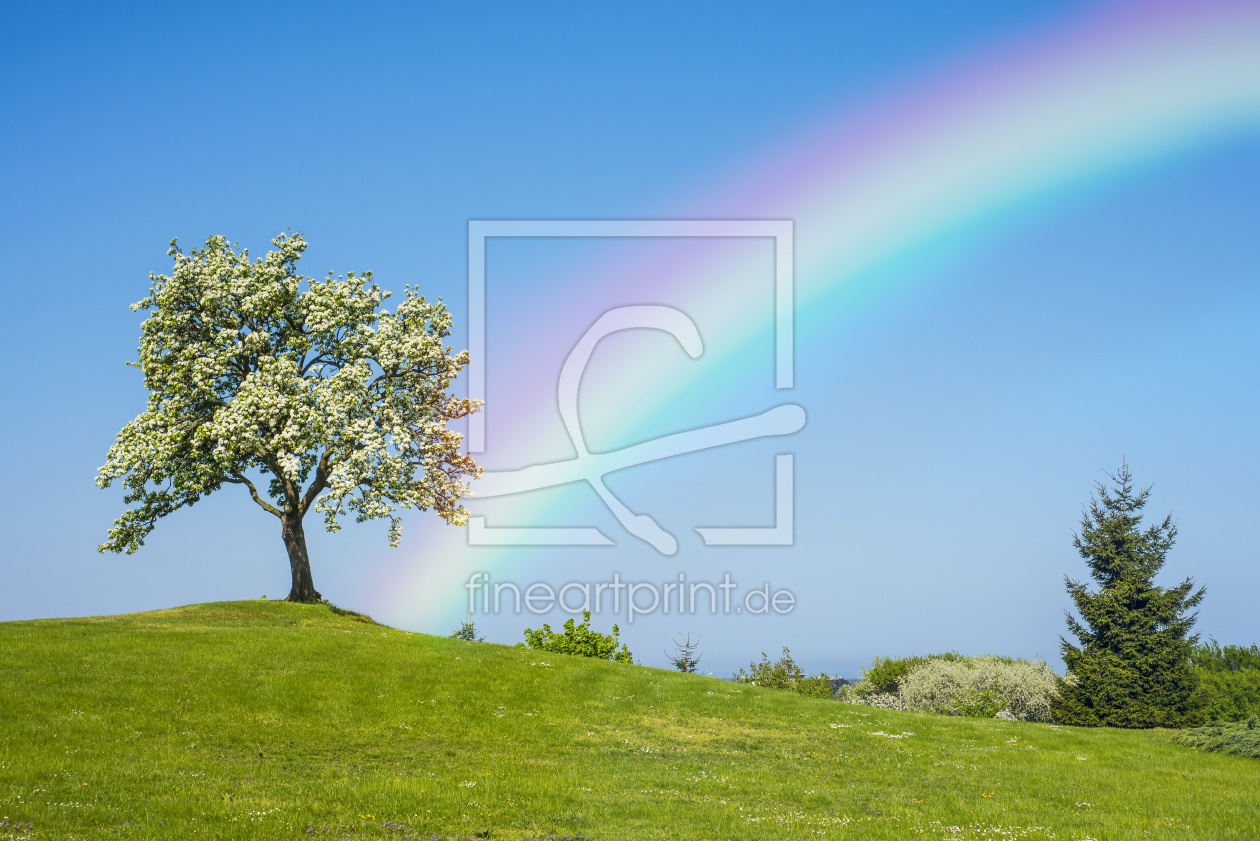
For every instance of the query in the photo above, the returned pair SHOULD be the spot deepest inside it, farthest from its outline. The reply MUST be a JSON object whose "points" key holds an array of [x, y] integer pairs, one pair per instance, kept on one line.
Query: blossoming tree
{"points": [[259, 375]]}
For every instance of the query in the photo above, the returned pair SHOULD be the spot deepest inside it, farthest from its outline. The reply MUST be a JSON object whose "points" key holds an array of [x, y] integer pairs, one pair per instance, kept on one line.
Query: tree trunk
{"points": [[299, 562]]}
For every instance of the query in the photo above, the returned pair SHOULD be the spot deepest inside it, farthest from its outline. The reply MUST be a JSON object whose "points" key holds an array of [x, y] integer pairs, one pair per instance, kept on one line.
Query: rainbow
{"points": [[1037, 121]]}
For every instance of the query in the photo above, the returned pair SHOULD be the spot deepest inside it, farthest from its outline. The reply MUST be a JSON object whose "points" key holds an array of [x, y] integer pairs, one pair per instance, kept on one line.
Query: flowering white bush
{"points": [[885, 701], [981, 686], [867, 694]]}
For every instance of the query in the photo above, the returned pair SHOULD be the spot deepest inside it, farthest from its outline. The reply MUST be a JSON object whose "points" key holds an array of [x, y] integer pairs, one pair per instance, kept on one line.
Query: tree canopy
{"points": [[257, 374], [1132, 667]]}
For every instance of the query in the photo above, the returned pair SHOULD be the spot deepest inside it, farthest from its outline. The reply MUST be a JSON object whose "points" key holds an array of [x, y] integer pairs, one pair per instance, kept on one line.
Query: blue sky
{"points": [[961, 405]]}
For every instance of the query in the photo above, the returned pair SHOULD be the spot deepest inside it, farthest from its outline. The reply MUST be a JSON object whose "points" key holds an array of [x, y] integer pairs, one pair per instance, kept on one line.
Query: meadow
{"points": [[279, 721]]}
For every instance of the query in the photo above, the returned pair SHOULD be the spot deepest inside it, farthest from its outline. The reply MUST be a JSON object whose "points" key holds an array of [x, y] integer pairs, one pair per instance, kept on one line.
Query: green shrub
{"points": [[1242, 738], [886, 673], [467, 630], [981, 687], [579, 640], [981, 702], [1230, 696], [1229, 680], [785, 674], [1211, 656]]}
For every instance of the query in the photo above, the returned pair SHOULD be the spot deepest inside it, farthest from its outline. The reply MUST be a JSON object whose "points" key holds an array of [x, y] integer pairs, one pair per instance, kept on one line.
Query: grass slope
{"points": [[269, 720]]}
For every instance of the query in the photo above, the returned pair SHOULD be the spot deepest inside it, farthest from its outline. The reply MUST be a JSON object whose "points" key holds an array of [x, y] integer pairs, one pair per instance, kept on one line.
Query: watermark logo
{"points": [[627, 598], [591, 468]]}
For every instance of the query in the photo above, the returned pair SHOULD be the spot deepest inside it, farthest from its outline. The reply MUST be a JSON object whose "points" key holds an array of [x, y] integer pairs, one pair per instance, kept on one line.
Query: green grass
{"points": [[269, 720]]}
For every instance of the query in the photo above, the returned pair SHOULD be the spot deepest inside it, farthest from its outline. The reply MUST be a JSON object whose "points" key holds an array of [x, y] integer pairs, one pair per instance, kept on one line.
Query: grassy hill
{"points": [[271, 720]]}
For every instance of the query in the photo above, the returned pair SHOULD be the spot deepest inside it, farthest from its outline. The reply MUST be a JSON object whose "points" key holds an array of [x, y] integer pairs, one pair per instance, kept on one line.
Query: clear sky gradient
{"points": [[963, 395]]}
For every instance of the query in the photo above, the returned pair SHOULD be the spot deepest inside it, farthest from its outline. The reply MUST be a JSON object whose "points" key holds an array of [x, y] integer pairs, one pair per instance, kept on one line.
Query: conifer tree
{"points": [[1132, 668]]}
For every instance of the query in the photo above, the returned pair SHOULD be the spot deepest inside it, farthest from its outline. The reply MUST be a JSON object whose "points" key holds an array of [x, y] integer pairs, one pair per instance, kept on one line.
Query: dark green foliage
{"points": [[467, 630], [885, 673], [785, 674], [1229, 680], [1132, 668], [579, 640], [684, 657], [1242, 738], [1211, 656]]}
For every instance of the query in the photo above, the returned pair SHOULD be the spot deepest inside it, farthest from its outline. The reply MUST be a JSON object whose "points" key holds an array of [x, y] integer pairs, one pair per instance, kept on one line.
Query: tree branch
{"points": [[237, 479], [319, 358], [321, 481]]}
